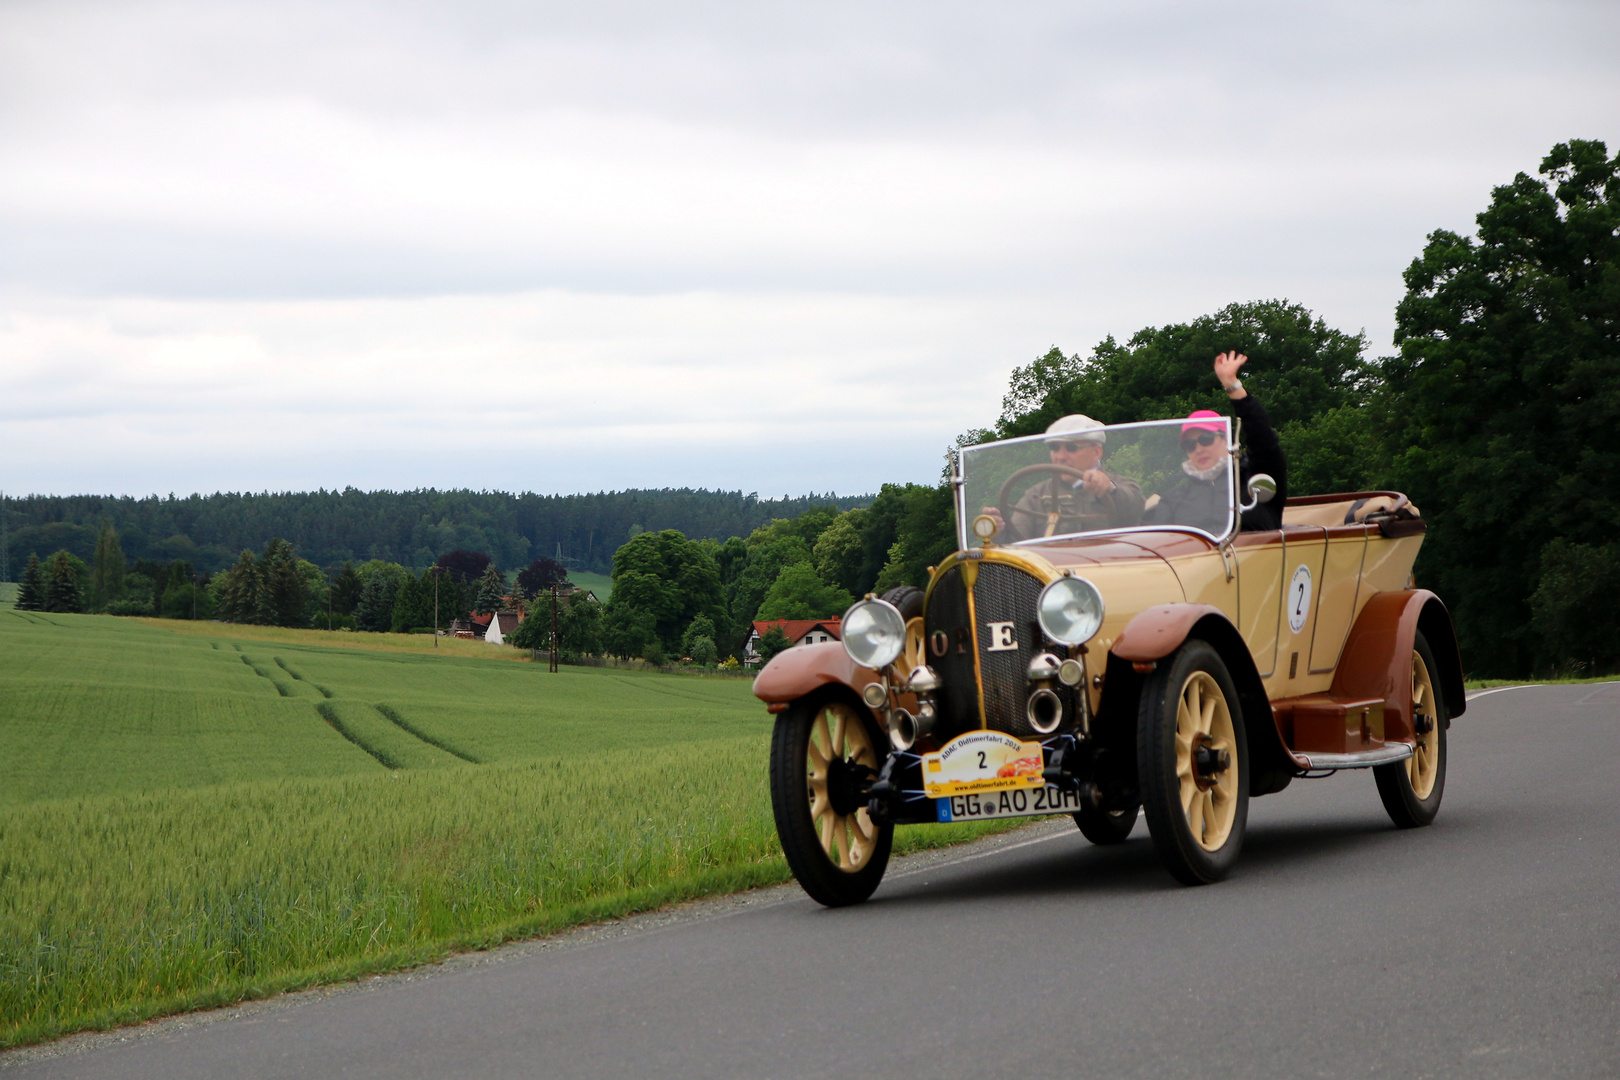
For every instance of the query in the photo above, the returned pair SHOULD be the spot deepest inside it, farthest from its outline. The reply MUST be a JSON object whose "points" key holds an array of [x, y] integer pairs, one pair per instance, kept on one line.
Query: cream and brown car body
{"points": [[1335, 690], [1317, 623]]}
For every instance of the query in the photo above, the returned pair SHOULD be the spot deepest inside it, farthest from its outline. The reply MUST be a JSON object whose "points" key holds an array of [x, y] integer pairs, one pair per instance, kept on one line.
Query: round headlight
{"points": [[874, 633], [1071, 610]]}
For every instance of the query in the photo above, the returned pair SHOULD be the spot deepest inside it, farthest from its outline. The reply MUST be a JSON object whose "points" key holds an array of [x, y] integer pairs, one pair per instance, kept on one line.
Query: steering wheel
{"points": [[1005, 506]]}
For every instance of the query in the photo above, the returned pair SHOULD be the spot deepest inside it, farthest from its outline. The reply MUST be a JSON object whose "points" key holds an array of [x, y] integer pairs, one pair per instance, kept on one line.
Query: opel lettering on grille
{"points": [[1001, 637]]}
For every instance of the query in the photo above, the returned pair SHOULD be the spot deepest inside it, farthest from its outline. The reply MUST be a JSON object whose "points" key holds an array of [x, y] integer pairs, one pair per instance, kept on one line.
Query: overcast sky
{"points": [[768, 247]]}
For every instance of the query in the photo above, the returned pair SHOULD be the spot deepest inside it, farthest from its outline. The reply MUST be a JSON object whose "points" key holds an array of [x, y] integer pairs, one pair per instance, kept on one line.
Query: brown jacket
{"points": [[1075, 508]]}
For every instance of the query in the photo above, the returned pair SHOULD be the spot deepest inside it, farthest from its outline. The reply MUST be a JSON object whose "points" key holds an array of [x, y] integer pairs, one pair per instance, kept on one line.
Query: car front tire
{"points": [[823, 756], [1193, 764]]}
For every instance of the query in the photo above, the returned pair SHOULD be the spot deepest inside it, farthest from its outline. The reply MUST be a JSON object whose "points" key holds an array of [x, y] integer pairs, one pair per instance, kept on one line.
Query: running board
{"points": [[1362, 759]]}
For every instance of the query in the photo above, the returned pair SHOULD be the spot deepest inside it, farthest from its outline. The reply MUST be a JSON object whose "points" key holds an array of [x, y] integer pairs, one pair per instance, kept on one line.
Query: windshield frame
{"points": [[966, 542]]}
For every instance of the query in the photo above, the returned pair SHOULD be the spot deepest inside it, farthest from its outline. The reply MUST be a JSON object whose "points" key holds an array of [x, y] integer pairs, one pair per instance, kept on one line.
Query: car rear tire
{"points": [[823, 755], [1411, 789], [1106, 826], [1193, 764]]}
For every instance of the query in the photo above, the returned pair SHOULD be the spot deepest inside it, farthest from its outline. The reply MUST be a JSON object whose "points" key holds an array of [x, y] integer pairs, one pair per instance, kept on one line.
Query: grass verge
{"points": [[118, 909]]}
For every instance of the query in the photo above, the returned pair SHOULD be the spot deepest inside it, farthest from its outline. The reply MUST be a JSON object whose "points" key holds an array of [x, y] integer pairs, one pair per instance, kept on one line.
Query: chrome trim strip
{"points": [[1364, 759]]}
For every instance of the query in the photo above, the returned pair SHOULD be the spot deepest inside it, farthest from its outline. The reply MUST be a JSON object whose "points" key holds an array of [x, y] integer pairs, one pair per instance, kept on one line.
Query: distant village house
{"points": [[797, 631]]}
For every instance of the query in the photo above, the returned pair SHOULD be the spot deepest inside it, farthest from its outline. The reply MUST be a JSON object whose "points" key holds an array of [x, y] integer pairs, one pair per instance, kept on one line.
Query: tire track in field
{"points": [[383, 758], [281, 688], [282, 664], [392, 715]]}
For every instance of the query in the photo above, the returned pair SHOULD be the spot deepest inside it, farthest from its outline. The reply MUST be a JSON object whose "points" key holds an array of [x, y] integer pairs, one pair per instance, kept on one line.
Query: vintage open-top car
{"points": [[1105, 663]]}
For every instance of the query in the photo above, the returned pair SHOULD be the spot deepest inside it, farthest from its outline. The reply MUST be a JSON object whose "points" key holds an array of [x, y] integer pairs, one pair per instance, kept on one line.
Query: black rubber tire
{"points": [[821, 877], [1105, 827], [1395, 789], [1187, 860], [908, 598]]}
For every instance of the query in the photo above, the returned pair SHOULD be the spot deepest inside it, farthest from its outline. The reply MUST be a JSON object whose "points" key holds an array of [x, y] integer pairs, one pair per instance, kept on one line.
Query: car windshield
{"points": [[1170, 474]]}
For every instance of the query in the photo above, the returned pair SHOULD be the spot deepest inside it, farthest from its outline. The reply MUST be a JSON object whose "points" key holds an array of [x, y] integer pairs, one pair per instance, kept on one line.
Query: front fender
{"points": [[1377, 656], [1156, 632], [795, 672]]}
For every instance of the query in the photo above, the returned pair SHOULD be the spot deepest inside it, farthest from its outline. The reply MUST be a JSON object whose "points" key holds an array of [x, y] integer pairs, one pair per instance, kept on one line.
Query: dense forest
{"points": [[412, 528]]}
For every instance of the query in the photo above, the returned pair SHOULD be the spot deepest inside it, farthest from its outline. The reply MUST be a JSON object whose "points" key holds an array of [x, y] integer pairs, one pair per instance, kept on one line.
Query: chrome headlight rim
{"points": [[873, 632], [1079, 602]]}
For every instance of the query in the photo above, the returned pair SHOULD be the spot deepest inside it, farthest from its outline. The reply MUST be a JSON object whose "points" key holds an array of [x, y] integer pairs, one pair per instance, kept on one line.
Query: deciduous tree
{"points": [[465, 567], [669, 577], [1505, 400], [798, 593], [627, 631], [540, 575]]}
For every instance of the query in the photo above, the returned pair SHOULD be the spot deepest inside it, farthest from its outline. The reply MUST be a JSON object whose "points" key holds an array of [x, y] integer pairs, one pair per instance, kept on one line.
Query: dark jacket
{"points": [[1202, 503]]}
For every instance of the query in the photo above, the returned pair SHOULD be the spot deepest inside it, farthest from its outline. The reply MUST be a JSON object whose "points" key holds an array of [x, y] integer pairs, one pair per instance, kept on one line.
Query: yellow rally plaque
{"points": [[982, 761]]}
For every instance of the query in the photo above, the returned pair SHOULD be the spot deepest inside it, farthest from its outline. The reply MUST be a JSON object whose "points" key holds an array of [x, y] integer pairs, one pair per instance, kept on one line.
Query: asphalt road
{"points": [[1487, 945]]}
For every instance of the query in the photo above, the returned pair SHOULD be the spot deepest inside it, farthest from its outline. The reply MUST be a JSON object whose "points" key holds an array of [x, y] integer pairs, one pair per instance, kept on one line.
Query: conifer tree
{"points": [[237, 590], [491, 590], [375, 609], [283, 596], [62, 589], [107, 571], [346, 591], [31, 596]]}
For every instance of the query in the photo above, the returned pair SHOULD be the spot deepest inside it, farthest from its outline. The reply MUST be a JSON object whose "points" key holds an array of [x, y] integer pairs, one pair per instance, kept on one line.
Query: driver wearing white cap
{"points": [[1065, 502]]}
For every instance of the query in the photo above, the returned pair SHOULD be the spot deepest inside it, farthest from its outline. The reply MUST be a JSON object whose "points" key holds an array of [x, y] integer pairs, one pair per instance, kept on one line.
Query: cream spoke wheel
{"points": [[1420, 766], [1192, 763], [1204, 726], [844, 840], [823, 761]]}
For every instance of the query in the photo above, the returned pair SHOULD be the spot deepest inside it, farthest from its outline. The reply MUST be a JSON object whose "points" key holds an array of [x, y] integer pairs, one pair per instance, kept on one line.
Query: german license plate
{"points": [[1020, 802]]}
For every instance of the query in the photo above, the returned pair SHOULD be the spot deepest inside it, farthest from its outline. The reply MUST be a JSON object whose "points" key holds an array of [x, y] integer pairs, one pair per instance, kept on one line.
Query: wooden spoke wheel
{"points": [[1193, 764], [823, 760], [1411, 789]]}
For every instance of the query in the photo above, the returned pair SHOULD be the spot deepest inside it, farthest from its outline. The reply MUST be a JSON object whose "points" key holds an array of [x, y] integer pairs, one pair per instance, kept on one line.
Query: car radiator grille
{"points": [[1001, 594]]}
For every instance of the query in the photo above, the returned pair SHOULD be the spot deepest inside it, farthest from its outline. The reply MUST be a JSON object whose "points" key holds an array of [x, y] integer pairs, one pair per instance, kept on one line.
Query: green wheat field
{"points": [[194, 814]]}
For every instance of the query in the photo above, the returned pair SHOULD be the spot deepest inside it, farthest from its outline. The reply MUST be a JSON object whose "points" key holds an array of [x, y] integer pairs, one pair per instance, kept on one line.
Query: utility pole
{"points": [[194, 596], [435, 609], [329, 600], [553, 626], [5, 544]]}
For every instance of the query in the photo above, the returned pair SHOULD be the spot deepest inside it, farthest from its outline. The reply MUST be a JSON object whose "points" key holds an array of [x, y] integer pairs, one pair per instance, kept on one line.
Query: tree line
{"points": [[411, 528]]}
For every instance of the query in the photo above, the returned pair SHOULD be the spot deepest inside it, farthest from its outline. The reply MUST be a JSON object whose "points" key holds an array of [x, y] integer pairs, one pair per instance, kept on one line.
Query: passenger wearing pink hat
{"points": [[1201, 499]]}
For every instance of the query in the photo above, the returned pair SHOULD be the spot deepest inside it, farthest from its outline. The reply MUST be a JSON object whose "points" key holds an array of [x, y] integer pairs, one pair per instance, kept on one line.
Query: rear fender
{"points": [[1377, 656], [1157, 632]]}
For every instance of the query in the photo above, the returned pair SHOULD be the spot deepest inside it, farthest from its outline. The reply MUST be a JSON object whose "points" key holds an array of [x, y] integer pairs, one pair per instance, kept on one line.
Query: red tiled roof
{"points": [[794, 629]]}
